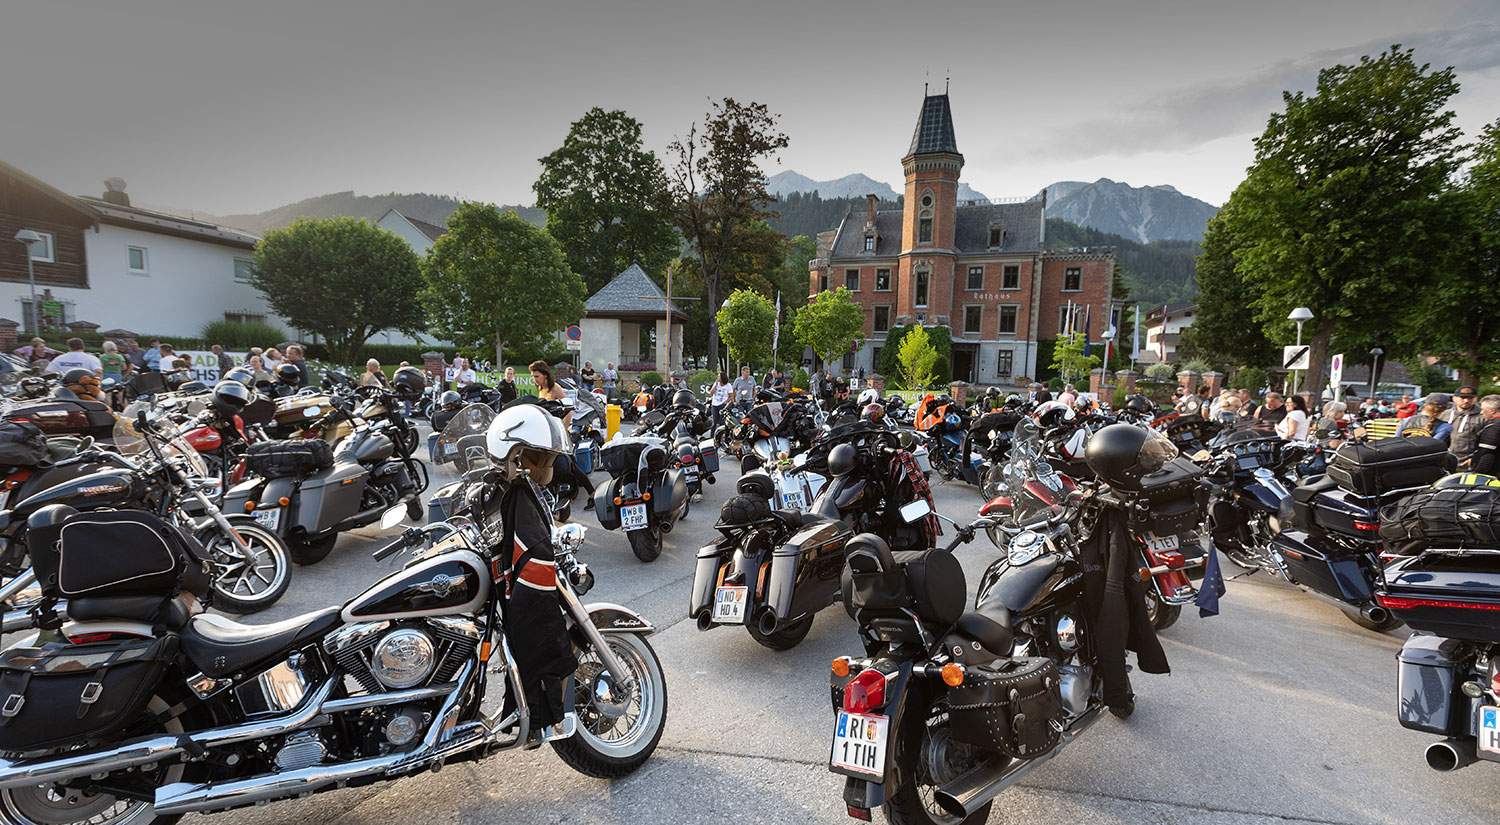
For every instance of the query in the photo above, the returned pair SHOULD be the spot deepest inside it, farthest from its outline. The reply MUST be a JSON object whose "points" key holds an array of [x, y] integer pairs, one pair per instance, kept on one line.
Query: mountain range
{"points": [[1141, 213], [849, 186]]}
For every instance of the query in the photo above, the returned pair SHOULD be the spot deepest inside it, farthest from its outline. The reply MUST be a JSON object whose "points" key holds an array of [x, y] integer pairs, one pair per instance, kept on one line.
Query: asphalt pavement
{"points": [[1278, 710]]}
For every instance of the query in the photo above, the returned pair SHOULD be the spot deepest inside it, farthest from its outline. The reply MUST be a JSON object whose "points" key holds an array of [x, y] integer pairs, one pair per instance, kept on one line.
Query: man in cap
{"points": [[1430, 419], [1466, 420]]}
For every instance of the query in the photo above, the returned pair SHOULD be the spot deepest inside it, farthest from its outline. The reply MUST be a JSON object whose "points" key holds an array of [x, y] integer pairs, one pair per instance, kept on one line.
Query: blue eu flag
{"points": [[1212, 586]]}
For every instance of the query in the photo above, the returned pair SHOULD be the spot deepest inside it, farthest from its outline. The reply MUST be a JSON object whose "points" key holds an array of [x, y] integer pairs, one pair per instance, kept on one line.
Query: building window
{"points": [[823, 282], [243, 269], [997, 237], [45, 250], [882, 318], [1010, 277], [137, 260], [851, 279], [972, 318], [869, 243], [875, 356], [924, 230], [922, 278], [976, 277], [245, 317], [882, 280], [1005, 362], [1008, 315], [848, 361], [1073, 279]]}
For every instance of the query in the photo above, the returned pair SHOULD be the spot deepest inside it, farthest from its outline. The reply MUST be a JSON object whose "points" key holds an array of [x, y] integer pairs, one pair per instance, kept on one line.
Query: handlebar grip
{"points": [[408, 537]]}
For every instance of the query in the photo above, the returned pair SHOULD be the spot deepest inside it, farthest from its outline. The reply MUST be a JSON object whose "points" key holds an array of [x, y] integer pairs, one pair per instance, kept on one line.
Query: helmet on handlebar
{"points": [[450, 400], [873, 413], [527, 437], [841, 460], [83, 383], [230, 398], [288, 374], [684, 399], [242, 374], [408, 382], [1121, 453], [869, 396], [1138, 403], [1053, 413]]}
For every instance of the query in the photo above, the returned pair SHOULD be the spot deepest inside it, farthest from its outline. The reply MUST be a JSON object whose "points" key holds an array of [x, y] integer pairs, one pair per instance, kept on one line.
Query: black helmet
{"points": [[945, 398], [683, 399], [177, 378], [1121, 453], [241, 374], [450, 400], [194, 386], [231, 397], [288, 374], [841, 460], [408, 382], [1138, 403]]}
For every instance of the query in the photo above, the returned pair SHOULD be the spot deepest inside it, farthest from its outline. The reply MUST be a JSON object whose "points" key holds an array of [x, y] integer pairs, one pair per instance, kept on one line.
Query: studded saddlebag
{"points": [[57, 694], [1011, 709]]}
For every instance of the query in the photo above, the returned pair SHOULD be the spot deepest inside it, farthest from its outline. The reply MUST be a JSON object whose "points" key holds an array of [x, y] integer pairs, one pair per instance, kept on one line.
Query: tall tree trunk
{"points": [[499, 351], [711, 297], [1317, 372]]}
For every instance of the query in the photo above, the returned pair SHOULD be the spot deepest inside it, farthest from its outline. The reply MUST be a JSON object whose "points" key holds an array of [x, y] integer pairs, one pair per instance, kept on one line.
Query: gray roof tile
{"points": [[934, 132], [1022, 223], [622, 296]]}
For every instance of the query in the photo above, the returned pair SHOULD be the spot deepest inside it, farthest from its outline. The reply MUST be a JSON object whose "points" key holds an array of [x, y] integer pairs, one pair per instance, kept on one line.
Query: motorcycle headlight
{"points": [[1026, 547]]}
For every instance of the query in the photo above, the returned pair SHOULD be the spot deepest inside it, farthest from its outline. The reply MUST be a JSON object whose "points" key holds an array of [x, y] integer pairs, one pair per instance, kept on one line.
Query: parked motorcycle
{"points": [[646, 493], [416, 673]]}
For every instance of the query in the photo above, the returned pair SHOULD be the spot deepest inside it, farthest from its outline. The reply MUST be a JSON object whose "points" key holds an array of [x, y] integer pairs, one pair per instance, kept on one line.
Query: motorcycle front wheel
{"points": [[247, 585], [929, 758], [617, 729]]}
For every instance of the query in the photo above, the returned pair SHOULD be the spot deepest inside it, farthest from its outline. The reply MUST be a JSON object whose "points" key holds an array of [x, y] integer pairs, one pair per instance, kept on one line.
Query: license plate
{"points": [[690, 470], [793, 500], [269, 519], [633, 517], [1161, 543], [450, 448], [1489, 729], [729, 604], [859, 743]]}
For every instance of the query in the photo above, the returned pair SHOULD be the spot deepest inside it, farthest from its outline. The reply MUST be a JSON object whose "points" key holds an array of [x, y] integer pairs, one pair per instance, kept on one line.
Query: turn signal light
{"points": [[953, 674], [619, 501], [283, 501], [249, 506], [645, 496], [841, 667], [866, 692]]}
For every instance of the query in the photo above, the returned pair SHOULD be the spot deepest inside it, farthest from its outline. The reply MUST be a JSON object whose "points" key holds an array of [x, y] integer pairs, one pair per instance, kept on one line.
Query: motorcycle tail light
{"points": [[1172, 559], [1367, 525], [1495, 682], [866, 692]]}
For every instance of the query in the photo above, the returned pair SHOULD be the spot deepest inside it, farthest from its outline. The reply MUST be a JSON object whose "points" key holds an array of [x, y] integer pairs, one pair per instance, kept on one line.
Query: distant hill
{"points": [[1159, 272], [1141, 213], [430, 208], [849, 186]]}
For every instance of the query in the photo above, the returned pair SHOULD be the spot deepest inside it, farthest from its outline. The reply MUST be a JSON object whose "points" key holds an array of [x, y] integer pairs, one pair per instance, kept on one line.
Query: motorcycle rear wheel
{"points": [[646, 544], [599, 748], [785, 637], [305, 551], [929, 758], [1161, 614]]}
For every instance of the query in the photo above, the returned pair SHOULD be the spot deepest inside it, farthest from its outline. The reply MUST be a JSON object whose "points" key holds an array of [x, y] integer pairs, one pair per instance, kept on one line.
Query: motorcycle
{"points": [[646, 494], [772, 570], [416, 673]]}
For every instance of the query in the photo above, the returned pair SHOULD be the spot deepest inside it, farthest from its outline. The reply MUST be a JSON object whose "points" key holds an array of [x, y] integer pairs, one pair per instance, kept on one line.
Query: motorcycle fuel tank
{"points": [[1034, 586], [369, 448], [453, 583]]}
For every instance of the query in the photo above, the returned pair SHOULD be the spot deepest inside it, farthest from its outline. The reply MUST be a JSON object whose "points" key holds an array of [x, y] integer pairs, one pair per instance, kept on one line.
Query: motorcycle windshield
{"points": [[165, 436], [1025, 465], [463, 439]]}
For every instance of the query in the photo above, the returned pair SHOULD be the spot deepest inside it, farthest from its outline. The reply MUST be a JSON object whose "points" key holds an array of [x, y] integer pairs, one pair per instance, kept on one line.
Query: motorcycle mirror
{"points": [[799, 460], [906, 440], [84, 446], [915, 510], [392, 517], [570, 536]]}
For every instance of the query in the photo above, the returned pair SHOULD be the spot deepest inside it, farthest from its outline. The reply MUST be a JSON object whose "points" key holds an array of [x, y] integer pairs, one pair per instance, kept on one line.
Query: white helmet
{"points": [[869, 396], [529, 428]]}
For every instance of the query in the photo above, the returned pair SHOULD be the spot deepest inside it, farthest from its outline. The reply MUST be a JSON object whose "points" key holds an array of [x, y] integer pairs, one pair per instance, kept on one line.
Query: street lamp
{"points": [[27, 238], [1375, 368], [1301, 315]]}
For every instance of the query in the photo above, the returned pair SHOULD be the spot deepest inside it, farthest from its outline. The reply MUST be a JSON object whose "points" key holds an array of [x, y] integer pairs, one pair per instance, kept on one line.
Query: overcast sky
{"points": [[244, 106]]}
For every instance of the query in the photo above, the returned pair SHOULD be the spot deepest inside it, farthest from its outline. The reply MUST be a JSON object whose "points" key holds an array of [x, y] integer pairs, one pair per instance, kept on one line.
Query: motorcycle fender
{"points": [[604, 504], [608, 617], [804, 575], [237, 496], [274, 491], [898, 695], [705, 578]]}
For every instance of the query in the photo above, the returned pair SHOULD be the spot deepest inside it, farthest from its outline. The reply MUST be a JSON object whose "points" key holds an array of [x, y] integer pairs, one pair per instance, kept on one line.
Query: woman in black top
{"points": [[588, 376], [507, 386]]}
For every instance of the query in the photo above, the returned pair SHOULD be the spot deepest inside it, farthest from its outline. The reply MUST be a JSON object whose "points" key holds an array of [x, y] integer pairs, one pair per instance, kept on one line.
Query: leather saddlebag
{"points": [[117, 553], [1010, 709], [57, 695], [285, 459]]}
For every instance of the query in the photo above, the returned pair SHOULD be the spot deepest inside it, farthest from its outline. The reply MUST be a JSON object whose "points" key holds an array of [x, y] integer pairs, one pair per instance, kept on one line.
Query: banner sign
{"points": [[204, 365]]}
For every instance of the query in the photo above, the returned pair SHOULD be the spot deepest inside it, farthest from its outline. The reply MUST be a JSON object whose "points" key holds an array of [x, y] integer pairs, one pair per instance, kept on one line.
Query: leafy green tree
{"points": [[799, 251], [1249, 378], [1068, 358], [832, 324], [916, 359], [715, 187], [495, 278], [745, 322], [599, 191], [1223, 331], [1340, 211], [342, 278]]}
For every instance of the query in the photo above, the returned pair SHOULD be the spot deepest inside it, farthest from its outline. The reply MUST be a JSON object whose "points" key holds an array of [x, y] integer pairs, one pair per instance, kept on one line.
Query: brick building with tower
{"points": [[980, 268]]}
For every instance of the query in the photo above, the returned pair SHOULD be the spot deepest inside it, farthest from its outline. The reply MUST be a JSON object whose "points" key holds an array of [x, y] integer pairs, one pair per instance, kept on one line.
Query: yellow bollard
{"points": [[612, 420]]}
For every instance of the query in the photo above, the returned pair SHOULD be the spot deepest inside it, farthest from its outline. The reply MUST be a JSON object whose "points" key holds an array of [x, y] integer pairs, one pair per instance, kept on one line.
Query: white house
{"points": [[1164, 326], [419, 235]]}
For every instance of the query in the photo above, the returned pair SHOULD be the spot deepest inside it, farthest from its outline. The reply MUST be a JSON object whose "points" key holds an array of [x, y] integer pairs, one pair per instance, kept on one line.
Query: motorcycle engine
{"points": [[385, 656]]}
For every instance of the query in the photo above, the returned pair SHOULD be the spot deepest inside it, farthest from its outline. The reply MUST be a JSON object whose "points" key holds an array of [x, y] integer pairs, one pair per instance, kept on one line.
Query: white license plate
{"points": [[1159, 544], [633, 517], [450, 448], [1489, 729], [269, 519], [729, 604], [690, 470], [793, 500], [859, 743]]}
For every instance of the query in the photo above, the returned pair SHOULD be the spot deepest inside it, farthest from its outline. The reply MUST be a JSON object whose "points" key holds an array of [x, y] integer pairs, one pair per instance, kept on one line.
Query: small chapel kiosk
{"points": [[615, 317]]}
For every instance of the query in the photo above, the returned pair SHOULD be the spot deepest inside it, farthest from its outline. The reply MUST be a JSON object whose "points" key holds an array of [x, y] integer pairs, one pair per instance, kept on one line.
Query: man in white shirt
{"points": [[76, 358]]}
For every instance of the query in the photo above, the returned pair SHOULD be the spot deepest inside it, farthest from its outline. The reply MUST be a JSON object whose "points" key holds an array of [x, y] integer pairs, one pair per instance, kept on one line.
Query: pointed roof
{"points": [[934, 131], [430, 231], [632, 292]]}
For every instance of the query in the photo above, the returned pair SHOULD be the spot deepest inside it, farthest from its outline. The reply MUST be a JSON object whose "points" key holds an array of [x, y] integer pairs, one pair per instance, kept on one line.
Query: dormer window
{"points": [[869, 243], [997, 236]]}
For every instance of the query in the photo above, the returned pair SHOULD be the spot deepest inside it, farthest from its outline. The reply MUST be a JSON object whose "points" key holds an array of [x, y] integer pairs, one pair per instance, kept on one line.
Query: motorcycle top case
{"points": [[1378, 467], [1460, 595], [75, 416], [116, 553], [1173, 495], [929, 583], [57, 694], [292, 457]]}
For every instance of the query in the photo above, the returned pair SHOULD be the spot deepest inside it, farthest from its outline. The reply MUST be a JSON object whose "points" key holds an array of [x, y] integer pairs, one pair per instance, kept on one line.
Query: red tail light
{"points": [[1404, 603], [866, 692], [1172, 559], [1367, 525], [688, 459]]}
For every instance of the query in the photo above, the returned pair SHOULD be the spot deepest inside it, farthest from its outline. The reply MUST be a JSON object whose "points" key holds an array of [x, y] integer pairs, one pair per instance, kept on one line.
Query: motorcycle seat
{"points": [[169, 612], [989, 625], [219, 646], [1305, 493]]}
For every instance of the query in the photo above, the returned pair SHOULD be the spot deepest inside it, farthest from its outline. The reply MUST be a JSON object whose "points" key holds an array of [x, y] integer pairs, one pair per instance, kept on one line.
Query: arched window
{"points": [[924, 279], [924, 219]]}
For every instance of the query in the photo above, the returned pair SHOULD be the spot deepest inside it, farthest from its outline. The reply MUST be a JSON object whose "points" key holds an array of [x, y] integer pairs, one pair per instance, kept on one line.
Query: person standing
{"points": [[549, 389], [226, 362], [588, 376], [744, 388], [75, 358], [169, 360], [1407, 408], [507, 386], [463, 375], [373, 377], [1466, 420], [719, 396], [1430, 418], [1487, 438], [113, 363], [153, 356], [294, 356], [611, 380]]}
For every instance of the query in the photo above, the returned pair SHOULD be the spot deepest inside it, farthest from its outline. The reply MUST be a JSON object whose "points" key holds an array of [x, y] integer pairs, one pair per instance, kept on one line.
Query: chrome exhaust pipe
{"points": [[1449, 754], [22, 580], [979, 786], [1375, 614]]}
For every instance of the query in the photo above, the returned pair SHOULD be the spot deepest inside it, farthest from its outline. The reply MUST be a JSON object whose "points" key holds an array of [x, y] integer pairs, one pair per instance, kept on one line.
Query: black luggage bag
{"points": [[1375, 468], [57, 694], [293, 457], [1450, 517], [1009, 709], [117, 553]]}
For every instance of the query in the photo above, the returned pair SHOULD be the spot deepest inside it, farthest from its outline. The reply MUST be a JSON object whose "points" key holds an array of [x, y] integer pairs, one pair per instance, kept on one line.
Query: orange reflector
{"points": [[745, 420], [953, 674], [484, 652], [645, 496], [841, 667], [618, 501], [283, 501], [249, 505]]}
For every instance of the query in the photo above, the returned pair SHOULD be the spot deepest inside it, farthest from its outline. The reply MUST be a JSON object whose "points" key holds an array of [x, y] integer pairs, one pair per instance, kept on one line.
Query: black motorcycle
{"points": [[646, 493]]}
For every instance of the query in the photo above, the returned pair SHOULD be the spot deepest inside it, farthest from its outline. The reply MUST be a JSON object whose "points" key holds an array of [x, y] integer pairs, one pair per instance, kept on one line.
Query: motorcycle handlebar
{"points": [[408, 537]]}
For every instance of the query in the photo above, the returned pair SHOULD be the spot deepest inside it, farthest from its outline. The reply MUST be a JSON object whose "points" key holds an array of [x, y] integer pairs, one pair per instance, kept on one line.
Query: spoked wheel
{"points": [[246, 584], [646, 544], [930, 758], [54, 804], [618, 727], [1161, 614]]}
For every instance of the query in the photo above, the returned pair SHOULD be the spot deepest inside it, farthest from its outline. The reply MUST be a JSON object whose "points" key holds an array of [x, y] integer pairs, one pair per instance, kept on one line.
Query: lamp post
{"points": [[27, 238], [1375, 368], [1301, 315]]}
